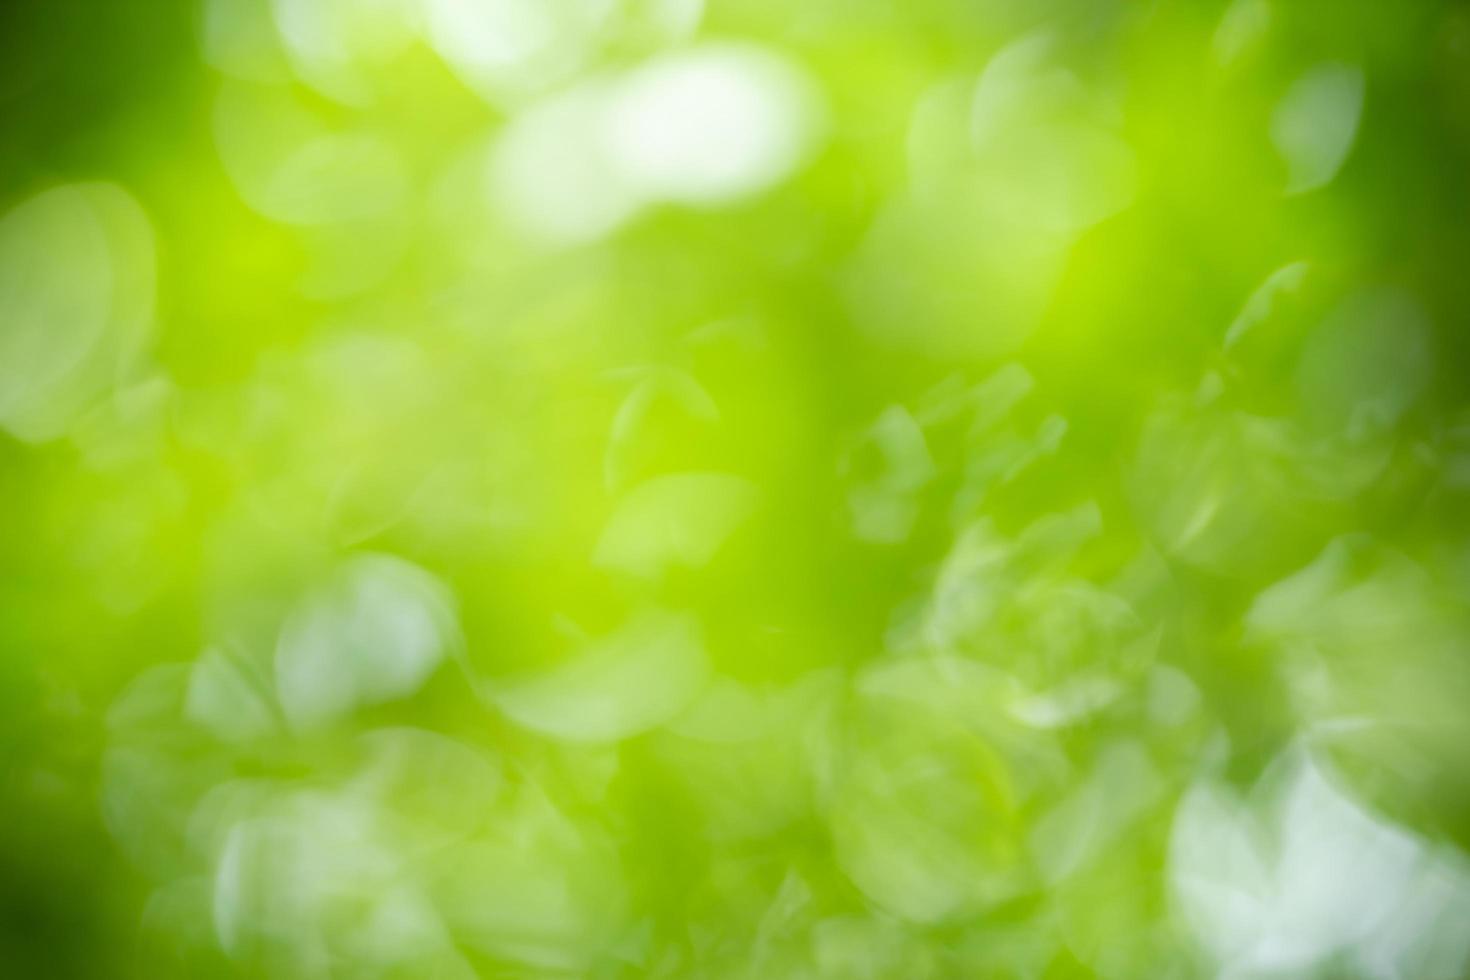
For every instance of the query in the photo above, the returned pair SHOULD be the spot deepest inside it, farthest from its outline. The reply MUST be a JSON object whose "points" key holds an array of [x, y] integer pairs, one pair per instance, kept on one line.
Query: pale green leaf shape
{"points": [[746, 754], [939, 686], [998, 394], [223, 807], [334, 45], [903, 450], [283, 879], [77, 289], [239, 38], [1287, 279], [1173, 698], [915, 821], [223, 697], [1299, 605], [373, 632], [403, 928], [1367, 364], [654, 387], [540, 888], [517, 906], [636, 679], [1243, 25], [438, 787], [1046, 144], [884, 506], [727, 712], [289, 165], [1070, 702], [987, 403], [1315, 124], [309, 881], [152, 699], [676, 520], [1077, 831]]}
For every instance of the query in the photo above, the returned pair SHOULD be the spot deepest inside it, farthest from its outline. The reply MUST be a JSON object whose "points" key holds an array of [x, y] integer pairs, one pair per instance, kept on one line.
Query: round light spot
{"points": [[712, 124]]}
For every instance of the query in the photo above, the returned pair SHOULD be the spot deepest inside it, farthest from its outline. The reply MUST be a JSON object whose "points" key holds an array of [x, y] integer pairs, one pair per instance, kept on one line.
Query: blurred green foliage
{"points": [[611, 488]]}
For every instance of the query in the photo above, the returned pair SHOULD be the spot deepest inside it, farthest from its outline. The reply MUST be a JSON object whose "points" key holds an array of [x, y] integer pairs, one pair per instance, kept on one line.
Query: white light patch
{"points": [[334, 44], [706, 126], [549, 174], [1312, 877], [487, 36], [712, 124], [1314, 126], [504, 50]]}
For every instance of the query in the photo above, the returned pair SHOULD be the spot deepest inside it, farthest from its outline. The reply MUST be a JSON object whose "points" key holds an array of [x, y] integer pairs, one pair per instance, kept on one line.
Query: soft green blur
{"points": [[733, 488]]}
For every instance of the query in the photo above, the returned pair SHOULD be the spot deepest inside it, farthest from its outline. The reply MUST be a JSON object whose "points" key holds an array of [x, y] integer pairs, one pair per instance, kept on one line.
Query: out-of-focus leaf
{"points": [[674, 521], [77, 286], [1316, 122], [225, 697], [636, 678], [373, 632]]}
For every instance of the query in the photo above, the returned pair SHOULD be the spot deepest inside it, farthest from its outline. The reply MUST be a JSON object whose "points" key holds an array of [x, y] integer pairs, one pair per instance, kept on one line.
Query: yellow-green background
{"points": [[1134, 504]]}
